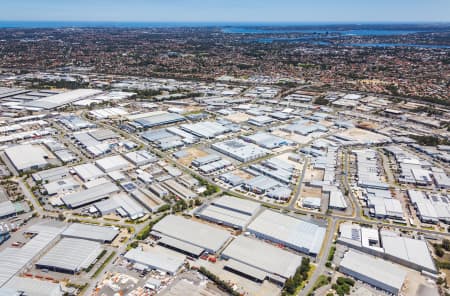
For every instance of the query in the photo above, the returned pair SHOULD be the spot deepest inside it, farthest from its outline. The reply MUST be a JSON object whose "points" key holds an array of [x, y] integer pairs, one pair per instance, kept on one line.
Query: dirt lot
{"points": [[311, 192], [313, 175], [285, 157], [193, 154], [215, 225], [242, 174], [282, 149], [112, 217], [299, 139], [362, 135], [192, 109], [186, 287], [122, 237], [326, 123], [413, 282], [238, 117]]}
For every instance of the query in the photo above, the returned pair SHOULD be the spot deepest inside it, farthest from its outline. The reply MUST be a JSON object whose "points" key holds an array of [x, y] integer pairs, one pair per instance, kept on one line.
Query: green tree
{"points": [[446, 244]]}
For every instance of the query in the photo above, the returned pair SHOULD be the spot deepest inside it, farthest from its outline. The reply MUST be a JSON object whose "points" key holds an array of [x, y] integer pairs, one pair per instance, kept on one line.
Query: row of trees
{"points": [[440, 249], [301, 274], [321, 101], [145, 232], [210, 188], [219, 282], [343, 286], [43, 84], [429, 140]]}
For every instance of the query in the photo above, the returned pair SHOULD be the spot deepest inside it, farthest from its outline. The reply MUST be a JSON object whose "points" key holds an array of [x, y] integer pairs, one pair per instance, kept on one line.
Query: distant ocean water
{"points": [[317, 33], [229, 27], [345, 32]]}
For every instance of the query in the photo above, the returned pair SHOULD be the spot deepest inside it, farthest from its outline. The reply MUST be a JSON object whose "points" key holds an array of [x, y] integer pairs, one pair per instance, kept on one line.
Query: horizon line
{"points": [[352, 22]]}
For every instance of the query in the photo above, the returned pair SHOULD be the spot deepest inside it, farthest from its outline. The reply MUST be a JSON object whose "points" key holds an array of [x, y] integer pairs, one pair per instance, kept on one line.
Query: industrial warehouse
{"points": [[229, 211], [27, 157], [96, 233], [15, 259], [240, 150], [267, 141], [112, 163], [269, 261], [93, 194], [205, 129], [70, 255], [200, 235], [156, 258], [18, 286], [52, 247], [305, 237], [153, 119], [374, 271], [412, 253], [59, 100], [88, 172]]}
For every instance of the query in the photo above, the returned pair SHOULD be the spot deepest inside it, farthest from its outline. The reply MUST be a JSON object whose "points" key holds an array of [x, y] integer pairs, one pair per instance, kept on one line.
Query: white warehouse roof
{"points": [[7, 208], [224, 216], [237, 204], [15, 259], [91, 232], [33, 287], [88, 171], [81, 198], [240, 150], [62, 99], [408, 249], [205, 129], [155, 258], [112, 163], [374, 271], [70, 255], [25, 157], [140, 157], [294, 233], [262, 256], [196, 233]]}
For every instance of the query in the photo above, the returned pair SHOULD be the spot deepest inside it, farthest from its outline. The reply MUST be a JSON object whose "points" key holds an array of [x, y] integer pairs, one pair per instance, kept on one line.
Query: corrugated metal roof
{"points": [[26, 156], [237, 204], [71, 254], [90, 195], [228, 217], [61, 99], [374, 269], [246, 269], [33, 287], [408, 249], [180, 245], [155, 259], [264, 257], [91, 232], [295, 233], [198, 234], [15, 259]]}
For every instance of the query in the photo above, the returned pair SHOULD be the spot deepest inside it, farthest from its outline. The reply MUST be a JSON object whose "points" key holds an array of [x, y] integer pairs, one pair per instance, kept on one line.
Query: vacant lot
{"points": [[193, 153], [308, 191]]}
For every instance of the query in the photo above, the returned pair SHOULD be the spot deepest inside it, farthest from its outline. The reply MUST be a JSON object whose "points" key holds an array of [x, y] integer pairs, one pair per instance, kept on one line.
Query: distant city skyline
{"points": [[217, 11]]}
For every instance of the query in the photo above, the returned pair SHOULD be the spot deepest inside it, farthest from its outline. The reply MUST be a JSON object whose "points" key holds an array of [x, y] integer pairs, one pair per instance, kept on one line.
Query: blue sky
{"points": [[227, 10]]}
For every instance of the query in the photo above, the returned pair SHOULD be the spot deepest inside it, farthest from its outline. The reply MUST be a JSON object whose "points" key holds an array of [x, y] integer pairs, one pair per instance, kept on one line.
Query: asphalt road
{"points": [[322, 258], [294, 199]]}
